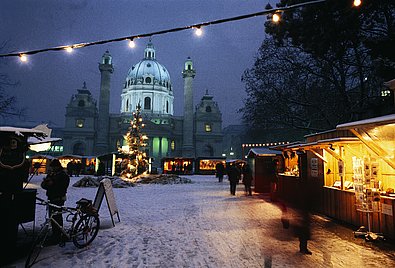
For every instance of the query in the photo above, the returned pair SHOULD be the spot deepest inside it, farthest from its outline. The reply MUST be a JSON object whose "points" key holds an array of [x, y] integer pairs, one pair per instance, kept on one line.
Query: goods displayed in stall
{"points": [[367, 192], [366, 184]]}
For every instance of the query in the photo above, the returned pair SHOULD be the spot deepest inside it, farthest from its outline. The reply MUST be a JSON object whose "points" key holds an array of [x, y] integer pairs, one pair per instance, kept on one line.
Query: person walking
{"points": [[274, 180], [70, 168], [303, 217], [56, 184], [247, 179], [219, 168], [234, 177]]}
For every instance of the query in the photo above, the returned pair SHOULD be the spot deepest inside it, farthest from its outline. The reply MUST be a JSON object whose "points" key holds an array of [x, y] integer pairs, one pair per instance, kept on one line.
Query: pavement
{"points": [[202, 225]]}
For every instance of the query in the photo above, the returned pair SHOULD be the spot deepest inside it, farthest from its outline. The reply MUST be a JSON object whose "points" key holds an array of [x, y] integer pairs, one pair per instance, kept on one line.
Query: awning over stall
{"points": [[378, 134], [325, 144]]}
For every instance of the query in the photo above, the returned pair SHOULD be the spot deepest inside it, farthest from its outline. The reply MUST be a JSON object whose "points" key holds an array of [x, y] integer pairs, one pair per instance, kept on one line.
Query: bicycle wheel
{"points": [[38, 244], [86, 230]]}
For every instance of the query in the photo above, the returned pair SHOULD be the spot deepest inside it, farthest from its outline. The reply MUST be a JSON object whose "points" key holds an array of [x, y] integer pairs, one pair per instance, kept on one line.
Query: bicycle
{"points": [[84, 227]]}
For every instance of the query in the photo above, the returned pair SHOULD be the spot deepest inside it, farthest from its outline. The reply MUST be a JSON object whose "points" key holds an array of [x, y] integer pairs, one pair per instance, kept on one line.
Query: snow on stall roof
{"points": [[35, 140], [263, 151], [381, 120], [21, 131]]}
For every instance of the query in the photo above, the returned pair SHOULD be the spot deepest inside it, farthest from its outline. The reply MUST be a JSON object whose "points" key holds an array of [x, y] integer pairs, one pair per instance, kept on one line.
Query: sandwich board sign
{"points": [[105, 189]]}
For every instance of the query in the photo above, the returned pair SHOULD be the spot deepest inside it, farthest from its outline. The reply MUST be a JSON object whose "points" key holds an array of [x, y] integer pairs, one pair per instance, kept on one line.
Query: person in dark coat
{"points": [[234, 177], [70, 168], [303, 218], [219, 169], [247, 178], [77, 168], [56, 184], [274, 179]]}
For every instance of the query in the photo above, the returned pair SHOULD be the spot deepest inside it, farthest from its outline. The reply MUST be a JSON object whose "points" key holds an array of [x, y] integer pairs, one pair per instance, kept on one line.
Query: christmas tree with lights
{"points": [[135, 162]]}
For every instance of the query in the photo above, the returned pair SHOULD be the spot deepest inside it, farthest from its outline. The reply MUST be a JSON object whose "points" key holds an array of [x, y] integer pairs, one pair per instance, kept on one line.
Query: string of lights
{"points": [[197, 27]]}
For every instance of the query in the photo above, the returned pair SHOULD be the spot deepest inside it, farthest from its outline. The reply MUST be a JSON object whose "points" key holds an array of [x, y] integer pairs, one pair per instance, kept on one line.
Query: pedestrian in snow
{"points": [[56, 183], [247, 179], [274, 180], [77, 168], [234, 177], [302, 226], [219, 169], [70, 168]]}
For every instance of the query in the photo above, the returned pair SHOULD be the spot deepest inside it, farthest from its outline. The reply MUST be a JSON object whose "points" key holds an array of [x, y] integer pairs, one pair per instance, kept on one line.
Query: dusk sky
{"points": [[48, 80]]}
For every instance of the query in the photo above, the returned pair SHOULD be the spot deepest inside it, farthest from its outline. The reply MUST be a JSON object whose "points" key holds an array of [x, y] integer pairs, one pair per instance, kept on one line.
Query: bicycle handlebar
{"points": [[47, 203]]}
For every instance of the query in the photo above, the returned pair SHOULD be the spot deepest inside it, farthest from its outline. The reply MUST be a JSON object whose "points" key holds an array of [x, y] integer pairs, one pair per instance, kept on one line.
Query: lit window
{"points": [[385, 93], [173, 145], [207, 128], [79, 123]]}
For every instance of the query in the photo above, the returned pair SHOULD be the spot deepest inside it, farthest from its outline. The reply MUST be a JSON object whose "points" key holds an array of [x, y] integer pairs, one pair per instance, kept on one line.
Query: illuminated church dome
{"points": [[148, 84]]}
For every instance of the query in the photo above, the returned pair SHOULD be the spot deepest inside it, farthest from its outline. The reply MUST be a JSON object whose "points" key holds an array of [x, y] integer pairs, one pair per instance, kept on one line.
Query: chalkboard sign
{"points": [[105, 189]]}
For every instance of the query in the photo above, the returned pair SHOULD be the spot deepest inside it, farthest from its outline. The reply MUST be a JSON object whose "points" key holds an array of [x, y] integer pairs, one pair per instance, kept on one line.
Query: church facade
{"points": [[91, 130]]}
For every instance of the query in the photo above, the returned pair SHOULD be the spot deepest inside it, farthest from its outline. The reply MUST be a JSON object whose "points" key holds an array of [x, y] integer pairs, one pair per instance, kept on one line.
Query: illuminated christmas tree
{"points": [[135, 162]]}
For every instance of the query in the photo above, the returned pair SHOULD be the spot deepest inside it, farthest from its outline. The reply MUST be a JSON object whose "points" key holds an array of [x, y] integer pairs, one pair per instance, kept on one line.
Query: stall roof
{"points": [[263, 151], [22, 131], [382, 120], [43, 156], [76, 156], [322, 142], [35, 140]]}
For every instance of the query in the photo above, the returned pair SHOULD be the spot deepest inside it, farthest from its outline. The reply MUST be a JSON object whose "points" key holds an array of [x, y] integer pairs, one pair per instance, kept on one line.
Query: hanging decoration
{"points": [[197, 27]]}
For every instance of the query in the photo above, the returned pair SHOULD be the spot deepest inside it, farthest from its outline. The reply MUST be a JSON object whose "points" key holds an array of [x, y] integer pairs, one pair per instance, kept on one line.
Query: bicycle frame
{"points": [[50, 218], [83, 230]]}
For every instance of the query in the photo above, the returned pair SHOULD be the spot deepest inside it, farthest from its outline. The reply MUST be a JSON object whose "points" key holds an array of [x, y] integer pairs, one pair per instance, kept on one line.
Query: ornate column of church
{"points": [[187, 145], [106, 69]]}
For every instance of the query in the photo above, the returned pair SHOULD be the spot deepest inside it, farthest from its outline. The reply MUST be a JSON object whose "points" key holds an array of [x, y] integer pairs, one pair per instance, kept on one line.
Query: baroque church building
{"points": [[91, 130]]}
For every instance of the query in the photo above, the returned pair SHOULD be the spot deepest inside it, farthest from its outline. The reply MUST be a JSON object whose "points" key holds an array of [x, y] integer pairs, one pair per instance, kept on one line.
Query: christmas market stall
{"points": [[178, 165], [369, 168], [39, 163], [17, 205], [262, 164], [78, 164], [350, 173], [207, 165], [290, 167]]}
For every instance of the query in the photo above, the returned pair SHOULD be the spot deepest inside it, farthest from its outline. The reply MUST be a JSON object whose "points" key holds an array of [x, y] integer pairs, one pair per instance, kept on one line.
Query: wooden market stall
{"points": [[350, 172], [372, 170], [39, 163], [178, 165], [207, 165], [261, 162], [85, 164]]}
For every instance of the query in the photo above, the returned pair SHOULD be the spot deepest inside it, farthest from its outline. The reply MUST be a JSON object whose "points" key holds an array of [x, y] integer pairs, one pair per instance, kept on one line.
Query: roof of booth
{"points": [[263, 151], [22, 131], [381, 120]]}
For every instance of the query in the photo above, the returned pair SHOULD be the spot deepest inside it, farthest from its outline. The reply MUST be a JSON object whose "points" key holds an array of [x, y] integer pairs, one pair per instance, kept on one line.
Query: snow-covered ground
{"points": [[201, 225]]}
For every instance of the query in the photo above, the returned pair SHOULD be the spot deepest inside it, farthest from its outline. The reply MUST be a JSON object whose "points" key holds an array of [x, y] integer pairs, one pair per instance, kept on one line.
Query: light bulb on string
{"points": [[357, 3], [23, 57], [69, 49], [132, 44], [198, 31], [276, 17]]}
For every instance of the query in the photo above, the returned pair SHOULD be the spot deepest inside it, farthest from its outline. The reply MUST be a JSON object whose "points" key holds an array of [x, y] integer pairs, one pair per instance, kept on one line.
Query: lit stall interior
{"points": [[371, 159]]}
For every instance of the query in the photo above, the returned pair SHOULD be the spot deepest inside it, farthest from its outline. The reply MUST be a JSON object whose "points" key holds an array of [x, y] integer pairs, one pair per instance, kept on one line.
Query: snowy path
{"points": [[201, 225]]}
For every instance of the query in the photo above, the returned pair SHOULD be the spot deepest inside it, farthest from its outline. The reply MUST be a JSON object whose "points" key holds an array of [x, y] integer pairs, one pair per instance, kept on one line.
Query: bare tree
{"points": [[7, 103]]}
